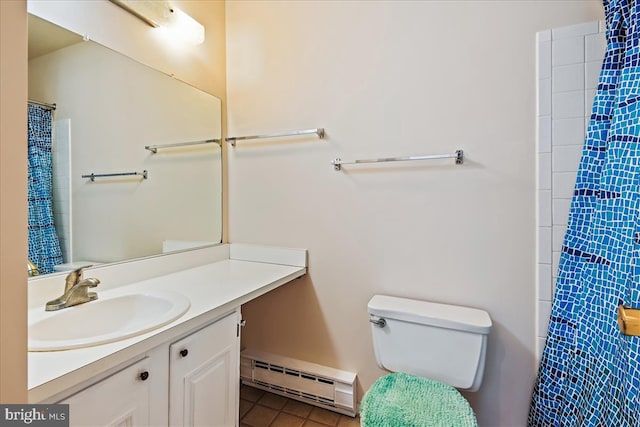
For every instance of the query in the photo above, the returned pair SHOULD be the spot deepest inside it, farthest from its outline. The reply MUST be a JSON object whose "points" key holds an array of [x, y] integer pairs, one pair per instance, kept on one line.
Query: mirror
{"points": [[108, 109]]}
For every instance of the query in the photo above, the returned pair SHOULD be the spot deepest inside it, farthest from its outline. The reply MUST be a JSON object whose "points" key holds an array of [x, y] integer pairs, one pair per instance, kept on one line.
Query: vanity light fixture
{"points": [[162, 14]]}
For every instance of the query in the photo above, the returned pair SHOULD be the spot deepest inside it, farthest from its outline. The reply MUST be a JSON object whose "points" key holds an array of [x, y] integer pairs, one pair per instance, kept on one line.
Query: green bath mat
{"points": [[403, 400]]}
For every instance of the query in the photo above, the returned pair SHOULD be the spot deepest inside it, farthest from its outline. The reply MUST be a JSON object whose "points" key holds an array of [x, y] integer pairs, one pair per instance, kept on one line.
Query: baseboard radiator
{"points": [[318, 385]]}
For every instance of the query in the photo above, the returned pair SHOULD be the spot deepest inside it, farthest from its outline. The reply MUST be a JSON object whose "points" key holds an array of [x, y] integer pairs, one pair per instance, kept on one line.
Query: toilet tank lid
{"points": [[431, 313]]}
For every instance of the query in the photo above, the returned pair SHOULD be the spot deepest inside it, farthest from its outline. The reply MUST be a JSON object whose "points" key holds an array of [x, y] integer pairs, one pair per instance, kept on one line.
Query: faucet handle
{"points": [[74, 277]]}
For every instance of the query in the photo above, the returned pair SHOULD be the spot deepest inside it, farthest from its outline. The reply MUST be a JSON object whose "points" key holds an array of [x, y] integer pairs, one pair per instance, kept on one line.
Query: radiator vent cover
{"points": [[318, 385]]}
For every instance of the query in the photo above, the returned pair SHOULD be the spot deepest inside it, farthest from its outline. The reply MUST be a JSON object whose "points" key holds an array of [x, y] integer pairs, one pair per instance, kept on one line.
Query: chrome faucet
{"points": [[75, 291]]}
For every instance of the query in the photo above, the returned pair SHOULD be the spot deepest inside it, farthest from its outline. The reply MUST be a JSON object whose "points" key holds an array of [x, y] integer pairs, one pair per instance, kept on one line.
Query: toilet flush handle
{"points": [[378, 321]]}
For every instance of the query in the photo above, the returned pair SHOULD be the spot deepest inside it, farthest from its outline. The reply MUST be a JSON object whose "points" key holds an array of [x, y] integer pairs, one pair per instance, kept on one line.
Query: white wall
{"points": [[569, 63], [387, 79], [13, 201]]}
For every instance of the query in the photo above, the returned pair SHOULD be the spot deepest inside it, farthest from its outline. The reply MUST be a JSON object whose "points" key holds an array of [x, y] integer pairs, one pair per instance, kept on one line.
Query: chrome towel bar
{"points": [[154, 148], [93, 176], [319, 131], [458, 156]]}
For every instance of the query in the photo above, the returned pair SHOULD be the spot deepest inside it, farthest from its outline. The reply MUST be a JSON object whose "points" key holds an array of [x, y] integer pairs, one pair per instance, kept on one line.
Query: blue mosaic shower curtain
{"points": [[590, 372], [44, 247]]}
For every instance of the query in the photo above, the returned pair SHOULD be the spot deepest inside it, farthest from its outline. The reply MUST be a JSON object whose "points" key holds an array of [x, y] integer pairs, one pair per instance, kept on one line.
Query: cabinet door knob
{"points": [[184, 352], [144, 375]]}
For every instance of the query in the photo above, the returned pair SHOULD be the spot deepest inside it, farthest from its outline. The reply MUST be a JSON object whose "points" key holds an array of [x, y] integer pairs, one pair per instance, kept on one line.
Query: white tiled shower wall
{"points": [[61, 156], [569, 62]]}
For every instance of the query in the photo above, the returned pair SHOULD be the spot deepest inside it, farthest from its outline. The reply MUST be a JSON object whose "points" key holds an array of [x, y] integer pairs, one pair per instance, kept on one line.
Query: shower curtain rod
{"points": [[42, 104]]}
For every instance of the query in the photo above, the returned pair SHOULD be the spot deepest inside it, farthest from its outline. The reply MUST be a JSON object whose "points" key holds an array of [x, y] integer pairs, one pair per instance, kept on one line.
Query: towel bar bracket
{"points": [[459, 157]]}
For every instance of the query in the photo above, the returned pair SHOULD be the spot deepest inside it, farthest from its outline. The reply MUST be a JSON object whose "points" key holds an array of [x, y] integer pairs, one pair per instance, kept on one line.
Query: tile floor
{"points": [[262, 409]]}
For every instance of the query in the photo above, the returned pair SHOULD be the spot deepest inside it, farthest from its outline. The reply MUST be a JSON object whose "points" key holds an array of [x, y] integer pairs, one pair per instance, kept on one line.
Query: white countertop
{"points": [[214, 289]]}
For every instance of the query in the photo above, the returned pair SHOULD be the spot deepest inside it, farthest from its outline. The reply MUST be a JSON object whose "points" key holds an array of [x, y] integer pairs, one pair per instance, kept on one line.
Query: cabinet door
{"points": [[204, 373], [121, 400]]}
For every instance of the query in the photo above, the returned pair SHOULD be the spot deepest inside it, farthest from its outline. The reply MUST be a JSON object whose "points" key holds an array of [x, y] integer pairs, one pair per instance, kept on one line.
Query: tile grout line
{"points": [[279, 409]]}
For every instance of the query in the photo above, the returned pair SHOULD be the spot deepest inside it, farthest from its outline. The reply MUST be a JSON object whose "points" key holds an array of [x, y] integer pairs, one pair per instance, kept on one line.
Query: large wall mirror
{"points": [[108, 109]]}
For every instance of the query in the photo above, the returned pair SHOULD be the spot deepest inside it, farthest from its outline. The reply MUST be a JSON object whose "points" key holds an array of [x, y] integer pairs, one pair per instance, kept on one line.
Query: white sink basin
{"points": [[104, 320]]}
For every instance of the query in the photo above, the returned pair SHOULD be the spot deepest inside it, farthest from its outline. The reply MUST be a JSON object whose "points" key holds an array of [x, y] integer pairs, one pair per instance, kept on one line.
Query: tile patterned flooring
{"points": [[262, 409]]}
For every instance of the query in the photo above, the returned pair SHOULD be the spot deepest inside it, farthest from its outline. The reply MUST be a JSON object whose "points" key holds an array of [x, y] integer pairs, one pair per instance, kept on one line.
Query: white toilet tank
{"points": [[443, 342]]}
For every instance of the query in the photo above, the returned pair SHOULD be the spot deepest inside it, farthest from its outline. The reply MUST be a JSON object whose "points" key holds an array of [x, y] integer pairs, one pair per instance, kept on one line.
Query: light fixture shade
{"points": [[153, 12], [161, 13]]}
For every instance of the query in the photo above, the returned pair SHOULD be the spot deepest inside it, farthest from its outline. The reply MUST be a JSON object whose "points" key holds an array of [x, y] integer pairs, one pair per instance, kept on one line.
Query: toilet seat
{"points": [[404, 400]]}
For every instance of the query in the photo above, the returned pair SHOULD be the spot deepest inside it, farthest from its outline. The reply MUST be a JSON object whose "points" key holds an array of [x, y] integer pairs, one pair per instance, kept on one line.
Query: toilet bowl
{"points": [[433, 350]]}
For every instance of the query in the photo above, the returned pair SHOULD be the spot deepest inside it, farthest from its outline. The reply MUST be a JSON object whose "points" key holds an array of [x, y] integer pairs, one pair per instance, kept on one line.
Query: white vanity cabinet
{"points": [[119, 400], [191, 382], [193, 363], [204, 375]]}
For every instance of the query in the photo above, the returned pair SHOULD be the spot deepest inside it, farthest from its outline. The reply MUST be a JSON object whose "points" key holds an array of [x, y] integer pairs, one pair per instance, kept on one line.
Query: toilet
{"points": [[432, 350]]}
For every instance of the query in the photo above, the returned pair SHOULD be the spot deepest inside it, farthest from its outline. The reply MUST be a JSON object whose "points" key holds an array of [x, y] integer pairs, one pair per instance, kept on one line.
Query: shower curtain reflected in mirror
{"points": [[44, 246], [590, 372]]}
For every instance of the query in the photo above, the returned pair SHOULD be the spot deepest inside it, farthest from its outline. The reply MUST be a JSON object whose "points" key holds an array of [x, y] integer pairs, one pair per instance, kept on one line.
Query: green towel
{"points": [[403, 400]]}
